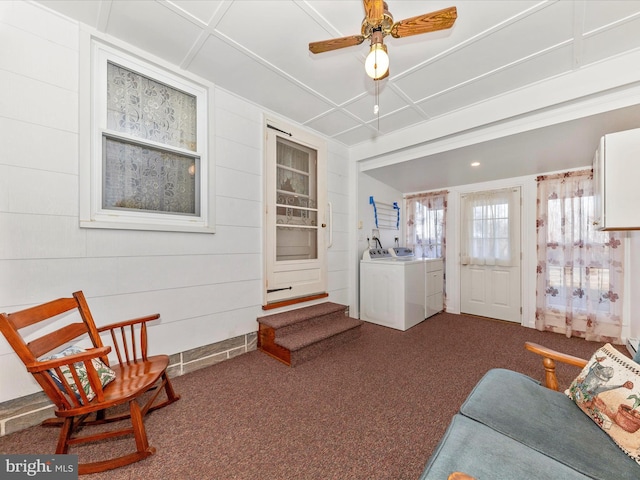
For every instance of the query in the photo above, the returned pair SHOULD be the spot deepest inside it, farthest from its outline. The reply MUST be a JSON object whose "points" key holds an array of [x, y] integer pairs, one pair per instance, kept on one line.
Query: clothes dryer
{"points": [[393, 288]]}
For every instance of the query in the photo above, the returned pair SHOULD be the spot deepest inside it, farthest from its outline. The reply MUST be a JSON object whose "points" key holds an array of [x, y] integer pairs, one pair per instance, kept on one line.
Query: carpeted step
{"points": [[293, 320], [316, 349], [298, 335], [316, 333]]}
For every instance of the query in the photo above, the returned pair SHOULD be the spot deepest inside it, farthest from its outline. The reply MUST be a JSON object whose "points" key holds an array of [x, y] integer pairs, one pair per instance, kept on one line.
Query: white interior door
{"points": [[490, 254]]}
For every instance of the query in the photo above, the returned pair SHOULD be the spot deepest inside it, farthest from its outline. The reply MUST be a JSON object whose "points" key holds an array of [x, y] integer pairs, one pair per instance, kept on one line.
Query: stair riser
{"points": [[305, 324], [317, 349]]}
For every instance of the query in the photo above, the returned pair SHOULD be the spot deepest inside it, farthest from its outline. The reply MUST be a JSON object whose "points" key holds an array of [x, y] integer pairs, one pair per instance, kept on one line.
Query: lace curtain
{"points": [[426, 226], [139, 176], [580, 270], [426, 222], [487, 234]]}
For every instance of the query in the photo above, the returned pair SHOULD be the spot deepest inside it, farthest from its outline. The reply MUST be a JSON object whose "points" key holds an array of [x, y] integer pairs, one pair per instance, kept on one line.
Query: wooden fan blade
{"points": [[374, 9], [335, 43], [429, 22]]}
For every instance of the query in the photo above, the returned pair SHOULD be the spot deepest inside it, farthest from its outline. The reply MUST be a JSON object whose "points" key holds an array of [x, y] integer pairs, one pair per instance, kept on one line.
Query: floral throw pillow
{"points": [[105, 374], [608, 390]]}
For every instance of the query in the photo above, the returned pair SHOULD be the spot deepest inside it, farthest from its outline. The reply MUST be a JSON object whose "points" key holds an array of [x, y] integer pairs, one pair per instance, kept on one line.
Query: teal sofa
{"points": [[512, 427]]}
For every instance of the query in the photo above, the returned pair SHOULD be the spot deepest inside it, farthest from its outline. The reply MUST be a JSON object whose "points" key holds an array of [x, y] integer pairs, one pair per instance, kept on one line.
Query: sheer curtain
{"points": [[426, 226], [580, 270], [426, 222], [487, 234]]}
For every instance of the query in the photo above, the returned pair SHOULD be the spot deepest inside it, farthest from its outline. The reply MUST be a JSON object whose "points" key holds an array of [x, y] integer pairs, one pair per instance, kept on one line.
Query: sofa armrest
{"points": [[549, 359]]}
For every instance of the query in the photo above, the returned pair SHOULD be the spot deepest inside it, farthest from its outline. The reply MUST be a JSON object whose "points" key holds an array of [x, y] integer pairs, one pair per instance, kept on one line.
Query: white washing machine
{"points": [[393, 288]]}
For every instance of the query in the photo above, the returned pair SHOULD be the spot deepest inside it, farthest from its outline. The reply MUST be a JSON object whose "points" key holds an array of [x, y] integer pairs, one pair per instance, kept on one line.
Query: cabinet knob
{"points": [[596, 223]]}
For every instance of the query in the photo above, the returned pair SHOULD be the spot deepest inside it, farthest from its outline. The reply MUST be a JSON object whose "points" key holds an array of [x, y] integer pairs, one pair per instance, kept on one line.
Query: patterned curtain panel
{"points": [[426, 225], [580, 270], [141, 176]]}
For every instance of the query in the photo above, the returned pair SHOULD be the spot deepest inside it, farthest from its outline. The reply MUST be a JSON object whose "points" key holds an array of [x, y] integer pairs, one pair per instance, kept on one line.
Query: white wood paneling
{"points": [[31, 281], [34, 146], [238, 156], [143, 274], [37, 58], [37, 102], [41, 236], [40, 22], [27, 195], [207, 288], [235, 183], [236, 211]]}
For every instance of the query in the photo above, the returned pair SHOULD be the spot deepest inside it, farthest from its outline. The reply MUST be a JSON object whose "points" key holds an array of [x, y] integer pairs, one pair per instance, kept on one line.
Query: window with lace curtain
{"points": [[580, 270], [149, 167], [426, 221]]}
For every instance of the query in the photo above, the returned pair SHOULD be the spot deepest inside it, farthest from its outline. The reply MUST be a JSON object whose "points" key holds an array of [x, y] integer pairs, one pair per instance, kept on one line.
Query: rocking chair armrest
{"points": [[126, 323], [129, 342], [69, 360], [549, 357]]}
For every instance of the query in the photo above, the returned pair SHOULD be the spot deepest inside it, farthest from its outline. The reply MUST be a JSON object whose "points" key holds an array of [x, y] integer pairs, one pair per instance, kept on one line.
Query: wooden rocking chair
{"points": [[80, 385]]}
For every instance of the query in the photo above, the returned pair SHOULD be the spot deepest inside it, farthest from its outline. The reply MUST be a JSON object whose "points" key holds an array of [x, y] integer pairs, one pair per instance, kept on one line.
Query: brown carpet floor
{"points": [[373, 409]]}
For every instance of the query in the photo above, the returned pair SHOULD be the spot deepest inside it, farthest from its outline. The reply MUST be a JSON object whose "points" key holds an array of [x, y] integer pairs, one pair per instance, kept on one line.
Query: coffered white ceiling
{"points": [[259, 50]]}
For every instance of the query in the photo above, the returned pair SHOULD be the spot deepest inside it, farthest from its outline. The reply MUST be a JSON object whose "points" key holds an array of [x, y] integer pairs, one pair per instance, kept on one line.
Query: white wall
{"points": [[367, 187], [208, 288]]}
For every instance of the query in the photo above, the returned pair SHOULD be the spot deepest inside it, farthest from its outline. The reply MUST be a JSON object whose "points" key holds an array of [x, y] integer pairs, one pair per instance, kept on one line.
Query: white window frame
{"points": [[93, 124]]}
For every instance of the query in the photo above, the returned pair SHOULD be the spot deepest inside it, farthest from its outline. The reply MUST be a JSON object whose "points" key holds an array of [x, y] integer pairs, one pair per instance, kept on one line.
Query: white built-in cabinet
{"points": [[434, 286], [616, 170]]}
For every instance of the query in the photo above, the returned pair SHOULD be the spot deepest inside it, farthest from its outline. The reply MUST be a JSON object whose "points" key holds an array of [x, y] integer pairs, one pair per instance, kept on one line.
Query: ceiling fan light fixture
{"points": [[377, 63]]}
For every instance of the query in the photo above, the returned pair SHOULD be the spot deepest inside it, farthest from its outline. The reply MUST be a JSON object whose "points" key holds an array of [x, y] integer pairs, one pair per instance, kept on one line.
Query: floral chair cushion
{"points": [[105, 373], [608, 390]]}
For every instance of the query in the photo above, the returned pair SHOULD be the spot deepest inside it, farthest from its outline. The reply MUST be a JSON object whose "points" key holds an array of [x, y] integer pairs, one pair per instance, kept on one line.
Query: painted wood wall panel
{"points": [[206, 287]]}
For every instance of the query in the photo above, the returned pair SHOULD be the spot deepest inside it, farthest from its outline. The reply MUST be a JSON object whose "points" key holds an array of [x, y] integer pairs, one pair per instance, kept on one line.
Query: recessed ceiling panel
{"points": [[337, 75], [333, 123], [357, 135], [202, 10], [474, 17], [397, 120], [388, 101], [154, 28], [552, 63], [502, 47], [338, 18], [611, 41], [237, 72], [598, 13]]}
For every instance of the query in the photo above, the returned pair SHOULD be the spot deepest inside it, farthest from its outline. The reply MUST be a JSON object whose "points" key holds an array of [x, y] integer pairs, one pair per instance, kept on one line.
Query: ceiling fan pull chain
{"points": [[376, 107]]}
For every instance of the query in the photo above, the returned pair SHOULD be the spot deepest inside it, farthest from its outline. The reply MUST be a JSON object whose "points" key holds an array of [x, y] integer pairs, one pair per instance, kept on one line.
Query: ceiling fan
{"points": [[377, 24]]}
